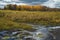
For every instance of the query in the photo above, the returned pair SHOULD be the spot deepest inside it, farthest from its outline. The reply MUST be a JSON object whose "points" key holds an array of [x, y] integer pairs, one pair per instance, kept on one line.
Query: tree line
{"points": [[29, 8]]}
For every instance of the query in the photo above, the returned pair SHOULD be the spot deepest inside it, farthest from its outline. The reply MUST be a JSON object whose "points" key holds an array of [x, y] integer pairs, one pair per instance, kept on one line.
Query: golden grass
{"points": [[46, 18]]}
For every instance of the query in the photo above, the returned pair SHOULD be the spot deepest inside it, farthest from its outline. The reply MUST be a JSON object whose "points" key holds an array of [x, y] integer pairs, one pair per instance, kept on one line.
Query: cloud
{"points": [[21, 2], [25, 1], [52, 3], [10, 0], [57, 0], [49, 3], [30, 1]]}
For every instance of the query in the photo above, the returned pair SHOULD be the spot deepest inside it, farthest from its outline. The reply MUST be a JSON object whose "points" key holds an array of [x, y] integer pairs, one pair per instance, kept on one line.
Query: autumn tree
{"points": [[30, 8]]}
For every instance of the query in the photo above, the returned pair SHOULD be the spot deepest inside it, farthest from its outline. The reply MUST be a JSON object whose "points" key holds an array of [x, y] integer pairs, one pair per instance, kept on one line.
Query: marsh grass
{"points": [[15, 18]]}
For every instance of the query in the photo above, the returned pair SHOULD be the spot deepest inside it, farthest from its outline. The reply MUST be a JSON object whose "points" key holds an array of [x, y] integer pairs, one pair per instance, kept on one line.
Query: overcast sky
{"points": [[49, 3]]}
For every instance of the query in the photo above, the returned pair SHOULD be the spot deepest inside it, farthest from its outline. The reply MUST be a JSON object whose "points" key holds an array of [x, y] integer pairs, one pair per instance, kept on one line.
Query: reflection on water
{"points": [[42, 33]]}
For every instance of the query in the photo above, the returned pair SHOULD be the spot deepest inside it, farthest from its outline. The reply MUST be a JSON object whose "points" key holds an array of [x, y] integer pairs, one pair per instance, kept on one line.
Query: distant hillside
{"points": [[30, 8]]}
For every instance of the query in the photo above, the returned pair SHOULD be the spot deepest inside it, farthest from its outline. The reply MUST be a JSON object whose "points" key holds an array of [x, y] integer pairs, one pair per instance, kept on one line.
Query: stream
{"points": [[41, 33]]}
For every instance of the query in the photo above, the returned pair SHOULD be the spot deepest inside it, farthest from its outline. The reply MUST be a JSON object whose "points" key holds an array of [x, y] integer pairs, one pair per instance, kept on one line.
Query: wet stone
{"points": [[28, 39]]}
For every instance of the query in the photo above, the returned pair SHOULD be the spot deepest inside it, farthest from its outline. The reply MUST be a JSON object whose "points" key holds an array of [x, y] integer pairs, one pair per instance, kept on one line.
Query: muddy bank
{"points": [[56, 34]]}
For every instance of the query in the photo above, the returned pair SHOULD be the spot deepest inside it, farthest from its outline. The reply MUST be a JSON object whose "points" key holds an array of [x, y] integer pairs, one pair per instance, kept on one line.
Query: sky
{"points": [[48, 3]]}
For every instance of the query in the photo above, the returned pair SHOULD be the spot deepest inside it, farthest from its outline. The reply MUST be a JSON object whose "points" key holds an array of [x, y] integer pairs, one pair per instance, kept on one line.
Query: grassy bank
{"points": [[6, 24], [17, 19]]}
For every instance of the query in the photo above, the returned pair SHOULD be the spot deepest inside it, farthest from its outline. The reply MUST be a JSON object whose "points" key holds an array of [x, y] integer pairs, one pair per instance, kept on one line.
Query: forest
{"points": [[29, 8]]}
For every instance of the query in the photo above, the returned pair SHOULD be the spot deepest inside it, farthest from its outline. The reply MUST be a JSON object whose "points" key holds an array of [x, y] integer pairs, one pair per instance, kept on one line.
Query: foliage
{"points": [[29, 8]]}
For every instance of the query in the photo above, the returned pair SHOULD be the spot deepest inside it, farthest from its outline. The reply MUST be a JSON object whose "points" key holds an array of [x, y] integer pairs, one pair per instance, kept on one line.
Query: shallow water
{"points": [[42, 33]]}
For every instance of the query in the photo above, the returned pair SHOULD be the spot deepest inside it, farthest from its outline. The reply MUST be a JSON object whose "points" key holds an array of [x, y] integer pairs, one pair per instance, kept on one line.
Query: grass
{"points": [[16, 19], [6, 24]]}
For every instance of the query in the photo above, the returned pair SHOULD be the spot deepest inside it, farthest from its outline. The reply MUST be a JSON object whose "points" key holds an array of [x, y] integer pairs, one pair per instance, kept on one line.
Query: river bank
{"points": [[39, 27], [41, 33], [56, 33]]}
